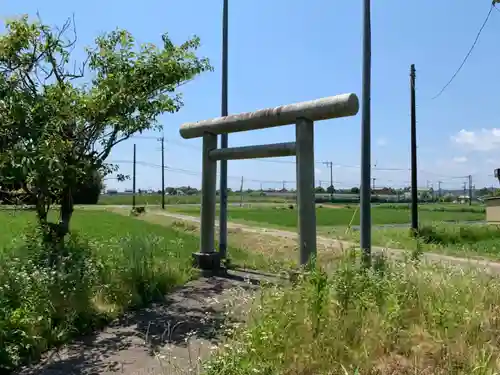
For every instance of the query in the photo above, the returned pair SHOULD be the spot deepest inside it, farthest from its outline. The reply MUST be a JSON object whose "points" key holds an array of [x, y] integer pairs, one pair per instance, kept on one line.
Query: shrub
{"points": [[457, 234], [42, 302], [89, 191], [47, 299], [434, 208]]}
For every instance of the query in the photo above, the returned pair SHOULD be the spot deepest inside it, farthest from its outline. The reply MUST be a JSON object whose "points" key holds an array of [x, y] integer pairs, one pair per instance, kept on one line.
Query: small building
{"points": [[493, 210]]}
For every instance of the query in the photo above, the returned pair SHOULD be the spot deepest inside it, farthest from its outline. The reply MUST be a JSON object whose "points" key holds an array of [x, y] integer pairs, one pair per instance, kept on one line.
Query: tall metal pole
{"points": [[224, 137], [414, 195], [329, 164], [470, 190], [133, 180], [162, 173], [241, 192], [365, 193], [331, 181]]}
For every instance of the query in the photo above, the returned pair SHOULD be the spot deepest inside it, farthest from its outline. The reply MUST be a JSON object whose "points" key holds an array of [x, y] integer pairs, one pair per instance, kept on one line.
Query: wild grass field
{"points": [[155, 199], [283, 216], [394, 319], [440, 207], [111, 263], [463, 240]]}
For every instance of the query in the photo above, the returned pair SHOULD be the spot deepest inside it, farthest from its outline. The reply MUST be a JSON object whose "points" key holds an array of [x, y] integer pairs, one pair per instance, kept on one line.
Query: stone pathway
{"points": [[168, 339]]}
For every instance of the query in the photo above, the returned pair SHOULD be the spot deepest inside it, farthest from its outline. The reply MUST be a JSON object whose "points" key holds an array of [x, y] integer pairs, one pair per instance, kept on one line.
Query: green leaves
{"points": [[56, 128]]}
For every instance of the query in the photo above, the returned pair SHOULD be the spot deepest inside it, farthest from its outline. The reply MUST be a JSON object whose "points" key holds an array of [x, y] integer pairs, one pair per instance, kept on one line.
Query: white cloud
{"points": [[460, 159], [483, 140], [381, 142]]}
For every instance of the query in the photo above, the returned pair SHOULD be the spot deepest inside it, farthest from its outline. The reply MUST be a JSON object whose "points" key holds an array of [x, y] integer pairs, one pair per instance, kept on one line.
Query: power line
{"points": [[277, 161], [190, 172], [292, 162], [277, 182], [194, 173], [468, 53]]}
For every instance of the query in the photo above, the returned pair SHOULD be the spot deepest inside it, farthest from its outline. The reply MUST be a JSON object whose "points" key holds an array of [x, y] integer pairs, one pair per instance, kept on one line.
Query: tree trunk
{"points": [[66, 211], [56, 232], [41, 210]]}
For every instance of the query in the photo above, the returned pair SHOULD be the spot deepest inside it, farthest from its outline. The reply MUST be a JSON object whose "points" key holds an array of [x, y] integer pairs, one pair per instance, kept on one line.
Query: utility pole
{"points": [[439, 188], [373, 183], [162, 173], [133, 179], [329, 164], [465, 189], [283, 184], [224, 137], [241, 192], [470, 190], [365, 191], [414, 194]]}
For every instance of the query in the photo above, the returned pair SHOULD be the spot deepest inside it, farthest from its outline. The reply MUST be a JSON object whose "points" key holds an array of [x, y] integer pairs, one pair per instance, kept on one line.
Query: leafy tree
{"points": [[330, 189], [355, 190], [484, 192], [58, 123], [319, 190], [89, 190], [170, 190]]}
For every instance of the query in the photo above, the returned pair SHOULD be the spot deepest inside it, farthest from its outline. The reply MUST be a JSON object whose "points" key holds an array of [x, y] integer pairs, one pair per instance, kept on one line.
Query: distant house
{"points": [[111, 191], [462, 199]]}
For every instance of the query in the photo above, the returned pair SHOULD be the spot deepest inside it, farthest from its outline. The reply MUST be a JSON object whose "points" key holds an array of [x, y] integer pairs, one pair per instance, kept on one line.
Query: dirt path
{"points": [[489, 266], [165, 339]]}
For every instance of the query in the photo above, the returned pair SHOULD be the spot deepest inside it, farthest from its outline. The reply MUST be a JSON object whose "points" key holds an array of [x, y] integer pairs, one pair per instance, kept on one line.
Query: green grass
{"points": [[285, 217], [109, 264], [473, 240], [443, 207], [155, 199], [402, 319]]}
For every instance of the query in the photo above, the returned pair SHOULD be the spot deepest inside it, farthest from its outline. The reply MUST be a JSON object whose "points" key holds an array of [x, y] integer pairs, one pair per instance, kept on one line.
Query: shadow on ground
{"points": [[129, 345]]}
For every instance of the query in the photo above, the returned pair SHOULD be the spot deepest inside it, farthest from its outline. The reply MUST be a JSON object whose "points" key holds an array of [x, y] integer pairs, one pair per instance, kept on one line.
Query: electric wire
{"points": [[468, 53]]}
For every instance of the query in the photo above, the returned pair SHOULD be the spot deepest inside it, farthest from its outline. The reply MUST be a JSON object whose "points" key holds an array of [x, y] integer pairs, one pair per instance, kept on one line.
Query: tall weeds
{"points": [[45, 302], [400, 318]]}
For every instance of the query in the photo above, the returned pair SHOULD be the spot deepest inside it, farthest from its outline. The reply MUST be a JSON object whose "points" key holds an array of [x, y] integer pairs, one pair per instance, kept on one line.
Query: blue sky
{"points": [[284, 51]]}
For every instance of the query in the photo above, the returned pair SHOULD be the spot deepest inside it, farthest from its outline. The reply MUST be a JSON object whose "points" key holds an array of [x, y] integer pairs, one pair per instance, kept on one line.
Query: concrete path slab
{"points": [[168, 338]]}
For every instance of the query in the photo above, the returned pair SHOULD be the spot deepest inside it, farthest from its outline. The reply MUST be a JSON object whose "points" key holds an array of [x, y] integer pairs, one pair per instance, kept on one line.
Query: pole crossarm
{"points": [[331, 107]]}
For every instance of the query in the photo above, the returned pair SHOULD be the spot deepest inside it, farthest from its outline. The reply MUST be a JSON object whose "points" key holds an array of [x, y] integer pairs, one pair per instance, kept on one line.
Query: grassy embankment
{"points": [[285, 217], [396, 319]]}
